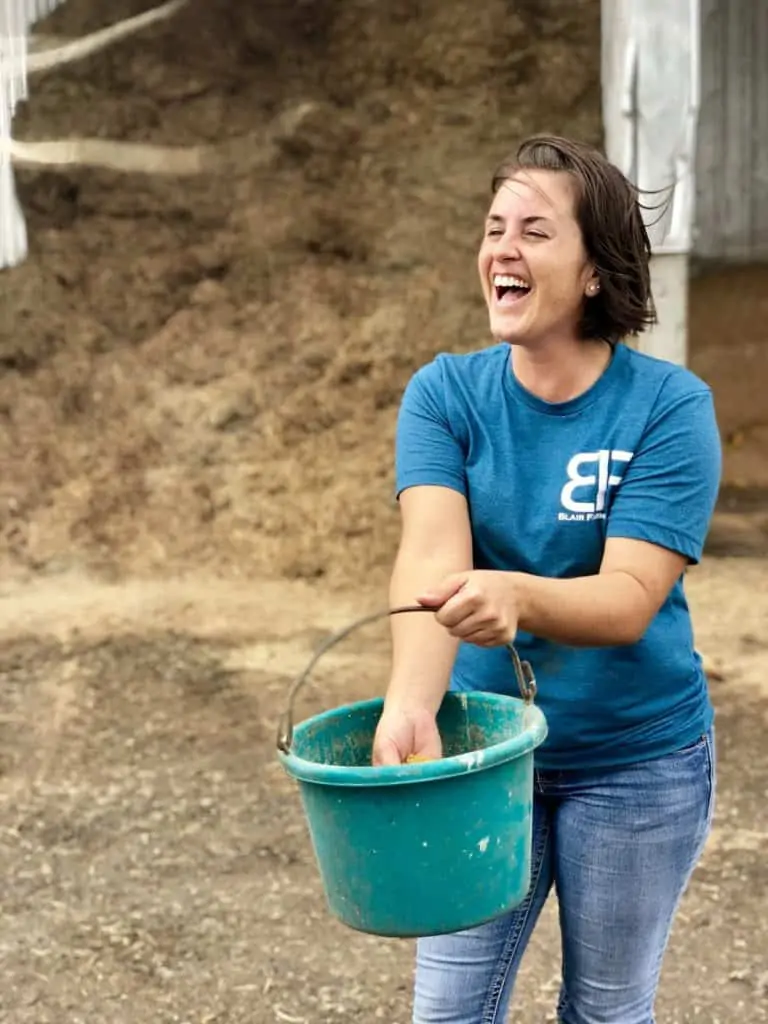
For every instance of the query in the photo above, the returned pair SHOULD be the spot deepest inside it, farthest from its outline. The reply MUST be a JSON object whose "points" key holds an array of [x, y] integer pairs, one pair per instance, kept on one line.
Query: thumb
{"points": [[435, 597]]}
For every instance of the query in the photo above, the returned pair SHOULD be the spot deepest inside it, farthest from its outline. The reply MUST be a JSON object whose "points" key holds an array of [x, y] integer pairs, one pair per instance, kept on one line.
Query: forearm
{"points": [[589, 611], [423, 652]]}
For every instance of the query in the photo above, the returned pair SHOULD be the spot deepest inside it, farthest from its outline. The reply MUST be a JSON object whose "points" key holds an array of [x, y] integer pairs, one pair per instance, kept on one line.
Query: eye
{"points": [[494, 232], [536, 234]]}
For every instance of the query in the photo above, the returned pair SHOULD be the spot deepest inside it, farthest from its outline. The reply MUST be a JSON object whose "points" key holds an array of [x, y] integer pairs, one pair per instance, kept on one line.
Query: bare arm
{"points": [[436, 541], [612, 608]]}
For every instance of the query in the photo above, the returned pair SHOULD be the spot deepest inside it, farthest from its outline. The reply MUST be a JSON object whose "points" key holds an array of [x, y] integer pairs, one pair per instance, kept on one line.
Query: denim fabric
{"points": [[619, 846]]}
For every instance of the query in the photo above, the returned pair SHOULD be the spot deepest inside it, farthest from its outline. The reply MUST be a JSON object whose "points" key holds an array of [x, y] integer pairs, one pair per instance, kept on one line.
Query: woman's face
{"points": [[534, 270]]}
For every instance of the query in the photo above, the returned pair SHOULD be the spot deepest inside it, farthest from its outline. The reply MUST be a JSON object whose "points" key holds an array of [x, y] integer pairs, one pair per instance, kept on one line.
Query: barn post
{"points": [[650, 97]]}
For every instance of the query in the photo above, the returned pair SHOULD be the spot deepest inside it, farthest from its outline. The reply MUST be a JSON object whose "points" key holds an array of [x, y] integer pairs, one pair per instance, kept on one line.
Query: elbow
{"points": [[631, 627], [635, 611], [630, 632], [614, 633]]}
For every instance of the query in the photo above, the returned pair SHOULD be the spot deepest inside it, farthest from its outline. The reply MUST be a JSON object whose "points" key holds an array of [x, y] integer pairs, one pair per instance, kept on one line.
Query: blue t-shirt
{"points": [[637, 455]]}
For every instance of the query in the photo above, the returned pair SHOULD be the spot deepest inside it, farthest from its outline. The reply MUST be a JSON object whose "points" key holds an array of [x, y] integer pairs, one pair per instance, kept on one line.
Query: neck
{"points": [[560, 371]]}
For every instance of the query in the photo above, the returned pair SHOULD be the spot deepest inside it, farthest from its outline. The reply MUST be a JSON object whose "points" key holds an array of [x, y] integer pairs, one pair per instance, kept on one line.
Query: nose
{"points": [[507, 246]]}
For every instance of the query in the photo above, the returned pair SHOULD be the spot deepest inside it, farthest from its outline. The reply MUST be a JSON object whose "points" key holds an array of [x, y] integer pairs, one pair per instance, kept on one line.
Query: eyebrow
{"points": [[496, 219]]}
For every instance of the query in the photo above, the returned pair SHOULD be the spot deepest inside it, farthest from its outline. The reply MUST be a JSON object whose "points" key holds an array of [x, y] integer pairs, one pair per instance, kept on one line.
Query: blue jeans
{"points": [[619, 846]]}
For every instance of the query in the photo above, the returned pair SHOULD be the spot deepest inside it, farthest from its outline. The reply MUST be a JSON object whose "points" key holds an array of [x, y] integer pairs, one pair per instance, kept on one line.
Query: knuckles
{"points": [[473, 613]]}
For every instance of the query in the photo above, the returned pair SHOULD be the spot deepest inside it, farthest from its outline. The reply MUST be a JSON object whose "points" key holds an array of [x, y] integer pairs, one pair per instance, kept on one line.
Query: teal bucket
{"points": [[426, 848]]}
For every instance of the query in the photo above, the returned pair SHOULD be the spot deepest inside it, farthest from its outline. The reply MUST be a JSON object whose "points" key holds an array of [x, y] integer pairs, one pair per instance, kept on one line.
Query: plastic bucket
{"points": [[426, 848]]}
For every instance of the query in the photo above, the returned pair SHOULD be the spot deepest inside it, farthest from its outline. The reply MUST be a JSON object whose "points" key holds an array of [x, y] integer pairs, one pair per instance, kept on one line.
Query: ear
{"points": [[592, 286]]}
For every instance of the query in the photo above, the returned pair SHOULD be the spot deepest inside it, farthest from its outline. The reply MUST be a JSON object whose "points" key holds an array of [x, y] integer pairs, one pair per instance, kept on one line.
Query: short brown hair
{"points": [[615, 237]]}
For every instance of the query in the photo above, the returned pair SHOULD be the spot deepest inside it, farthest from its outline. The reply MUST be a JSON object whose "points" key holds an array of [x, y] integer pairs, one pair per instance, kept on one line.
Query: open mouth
{"points": [[509, 289]]}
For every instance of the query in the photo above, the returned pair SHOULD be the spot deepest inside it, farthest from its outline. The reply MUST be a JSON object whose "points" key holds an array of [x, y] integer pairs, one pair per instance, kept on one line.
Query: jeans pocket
{"points": [[696, 762], [698, 744], [699, 758]]}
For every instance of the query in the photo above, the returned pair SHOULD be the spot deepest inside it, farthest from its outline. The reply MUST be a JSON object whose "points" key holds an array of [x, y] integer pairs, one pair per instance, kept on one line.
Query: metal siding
{"points": [[760, 131], [732, 146]]}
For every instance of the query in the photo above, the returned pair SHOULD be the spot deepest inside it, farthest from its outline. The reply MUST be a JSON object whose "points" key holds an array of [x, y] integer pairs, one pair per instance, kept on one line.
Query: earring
{"points": [[593, 289]]}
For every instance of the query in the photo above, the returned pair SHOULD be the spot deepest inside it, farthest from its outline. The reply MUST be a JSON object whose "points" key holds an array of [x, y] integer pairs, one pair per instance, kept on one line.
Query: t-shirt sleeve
{"points": [[427, 450], [669, 489]]}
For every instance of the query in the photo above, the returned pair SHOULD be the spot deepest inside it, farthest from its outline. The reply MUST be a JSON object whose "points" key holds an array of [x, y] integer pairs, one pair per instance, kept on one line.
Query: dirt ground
{"points": [[198, 385], [154, 859]]}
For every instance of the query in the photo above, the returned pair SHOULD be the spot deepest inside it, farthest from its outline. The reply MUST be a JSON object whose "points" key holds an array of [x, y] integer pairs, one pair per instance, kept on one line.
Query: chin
{"points": [[511, 333]]}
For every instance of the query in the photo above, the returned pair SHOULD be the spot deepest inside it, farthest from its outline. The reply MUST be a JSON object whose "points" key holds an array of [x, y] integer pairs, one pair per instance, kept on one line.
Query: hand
{"points": [[403, 733], [478, 607]]}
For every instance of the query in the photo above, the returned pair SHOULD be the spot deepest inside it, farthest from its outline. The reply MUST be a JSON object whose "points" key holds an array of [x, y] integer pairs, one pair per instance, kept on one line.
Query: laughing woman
{"points": [[553, 488]]}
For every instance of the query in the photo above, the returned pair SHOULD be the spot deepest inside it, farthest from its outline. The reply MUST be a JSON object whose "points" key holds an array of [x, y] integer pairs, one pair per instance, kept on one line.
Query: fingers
{"points": [[474, 620], [436, 596], [461, 607], [429, 746], [471, 617], [385, 752], [486, 638], [471, 609]]}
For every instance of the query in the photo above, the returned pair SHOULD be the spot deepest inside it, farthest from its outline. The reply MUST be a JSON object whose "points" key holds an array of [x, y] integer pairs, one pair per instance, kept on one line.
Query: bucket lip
{"points": [[532, 735]]}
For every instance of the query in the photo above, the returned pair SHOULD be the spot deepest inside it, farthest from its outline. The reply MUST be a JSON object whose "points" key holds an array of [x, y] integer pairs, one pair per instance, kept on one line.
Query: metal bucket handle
{"points": [[523, 671]]}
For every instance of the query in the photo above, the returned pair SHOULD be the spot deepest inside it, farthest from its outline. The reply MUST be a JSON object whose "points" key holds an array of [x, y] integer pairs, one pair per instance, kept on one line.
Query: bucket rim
{"points": [[532, 734]]}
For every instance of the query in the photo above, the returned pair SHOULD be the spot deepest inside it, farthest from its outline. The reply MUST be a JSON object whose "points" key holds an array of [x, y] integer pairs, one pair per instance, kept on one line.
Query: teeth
{"points": [[504, 281]]}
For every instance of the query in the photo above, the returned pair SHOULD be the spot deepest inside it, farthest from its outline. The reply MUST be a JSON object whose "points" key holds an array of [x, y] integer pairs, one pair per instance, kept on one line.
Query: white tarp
{"points": [[16, 18], [650, 73], [650, 78]]}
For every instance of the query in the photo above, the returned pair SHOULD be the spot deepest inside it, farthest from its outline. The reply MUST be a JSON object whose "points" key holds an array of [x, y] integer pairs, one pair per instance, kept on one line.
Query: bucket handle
{"points": [[523, 671]]}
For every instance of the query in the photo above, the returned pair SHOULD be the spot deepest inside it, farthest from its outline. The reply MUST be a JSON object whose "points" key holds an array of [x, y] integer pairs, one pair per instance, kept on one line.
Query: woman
{"points": [[553, 488]]}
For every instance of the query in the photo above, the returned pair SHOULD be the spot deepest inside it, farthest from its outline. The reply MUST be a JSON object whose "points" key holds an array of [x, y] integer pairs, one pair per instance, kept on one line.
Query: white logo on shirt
{"points": [[592, 474]]}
